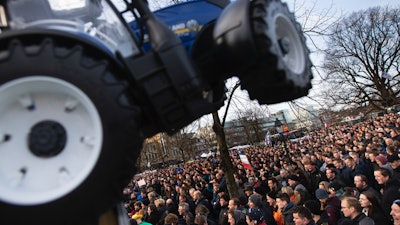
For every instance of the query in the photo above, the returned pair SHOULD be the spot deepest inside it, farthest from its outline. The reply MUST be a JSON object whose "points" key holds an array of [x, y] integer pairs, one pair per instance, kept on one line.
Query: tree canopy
{"points": [[362, 60]]}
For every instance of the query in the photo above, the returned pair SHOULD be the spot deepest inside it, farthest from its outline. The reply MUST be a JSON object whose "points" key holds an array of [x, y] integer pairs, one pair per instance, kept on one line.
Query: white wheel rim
{"points": [[285, 30], [28, 179]]}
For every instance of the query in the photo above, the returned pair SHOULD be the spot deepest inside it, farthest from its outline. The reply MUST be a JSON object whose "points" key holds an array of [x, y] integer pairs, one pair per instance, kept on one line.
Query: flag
{"points": [[148, 164], [245, 161], [267, 139]]}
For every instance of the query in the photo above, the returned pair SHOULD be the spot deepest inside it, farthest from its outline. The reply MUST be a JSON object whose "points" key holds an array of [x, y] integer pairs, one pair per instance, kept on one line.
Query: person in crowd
{"points": [[324, 185], [203, 210], [236, 217], [136, 207], [223, 213], [332, 175], [394, 161], [200, 220], [286, 207], [153, 216], [171, 207], [351, 209], [256, 202], [294, 183], [330, 203], [302, 216], [234, 204], [334, 188], [381, 160], [372, 208], [339, 165], [171, 219], [183, 198], [162, 209], [254, 216], [199, 199], [289, 190], [152, 196], [138, 217], [282, 178], [185, 215], [276, 213], [320, 217], [361, 184], [314, 175], [395, 212], [389, 188], [350, 171], [273, 184]]}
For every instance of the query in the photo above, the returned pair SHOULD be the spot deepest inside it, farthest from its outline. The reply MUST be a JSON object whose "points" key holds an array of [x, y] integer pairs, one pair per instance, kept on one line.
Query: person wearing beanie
{"points": [[394, 162], [254, 216], [330, 203], [381, 160], [320, 217]]}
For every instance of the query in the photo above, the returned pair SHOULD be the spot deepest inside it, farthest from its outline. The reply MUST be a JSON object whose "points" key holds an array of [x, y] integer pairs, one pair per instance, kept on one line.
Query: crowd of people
{"points": [[344, 174]]}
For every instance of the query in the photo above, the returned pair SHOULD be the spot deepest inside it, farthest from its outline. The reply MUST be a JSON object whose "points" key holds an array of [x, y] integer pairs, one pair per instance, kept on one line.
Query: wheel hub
{"points": [[47, 138], [284, 45]]}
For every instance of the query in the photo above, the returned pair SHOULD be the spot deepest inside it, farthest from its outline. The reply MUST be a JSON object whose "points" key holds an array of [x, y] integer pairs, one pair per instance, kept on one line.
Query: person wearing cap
{"points": [[394, 161], [351, 209], [138, 217], [320, 217], [254, 216], [395, 212], [302, 216], [330, 203], [336, 189]]}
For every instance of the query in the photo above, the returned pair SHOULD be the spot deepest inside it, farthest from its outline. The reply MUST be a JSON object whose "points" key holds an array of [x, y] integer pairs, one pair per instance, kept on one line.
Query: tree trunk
{"points": [[226, 163]]}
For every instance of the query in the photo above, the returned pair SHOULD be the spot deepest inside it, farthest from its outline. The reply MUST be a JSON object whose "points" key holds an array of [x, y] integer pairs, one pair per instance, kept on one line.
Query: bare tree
{"points": [[183, 141], [226, 163], [362, 60]]}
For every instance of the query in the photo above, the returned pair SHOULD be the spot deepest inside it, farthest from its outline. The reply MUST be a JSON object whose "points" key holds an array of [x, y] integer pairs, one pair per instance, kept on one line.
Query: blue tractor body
{"points": [[185, 19]]}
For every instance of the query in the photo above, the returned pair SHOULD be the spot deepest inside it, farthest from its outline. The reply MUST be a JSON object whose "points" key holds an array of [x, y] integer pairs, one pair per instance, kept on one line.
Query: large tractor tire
{"points": [[282, 53], [68, 133]]}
